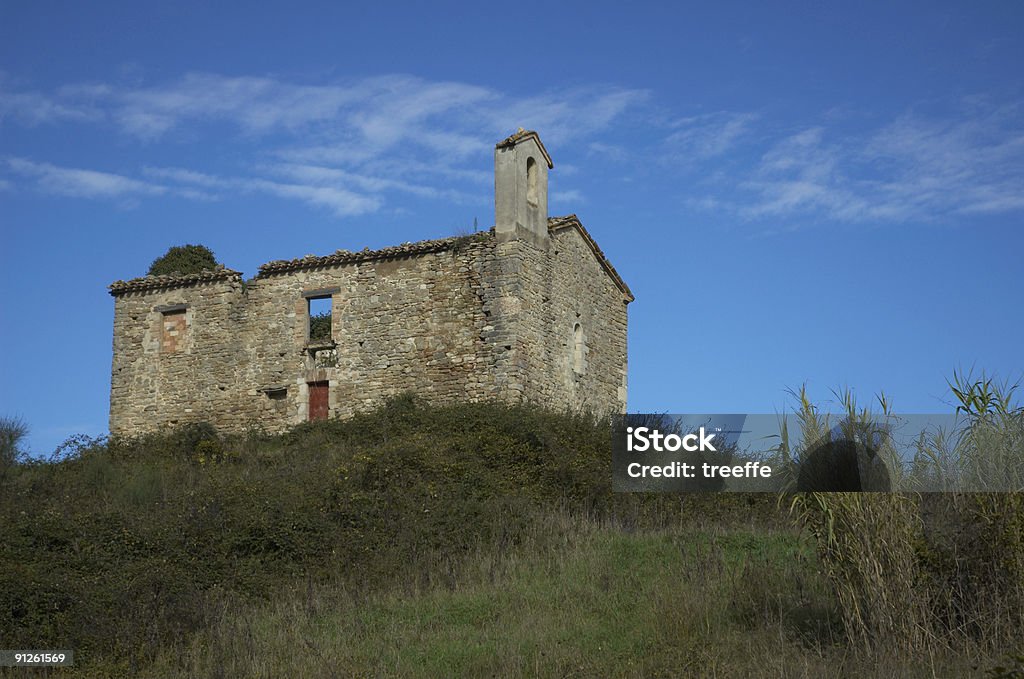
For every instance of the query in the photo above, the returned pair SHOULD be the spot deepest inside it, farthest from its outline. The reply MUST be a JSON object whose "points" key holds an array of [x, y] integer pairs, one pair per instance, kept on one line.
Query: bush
{"points": [[183, 259], [120, 548], [320, 327], [12, 433]]}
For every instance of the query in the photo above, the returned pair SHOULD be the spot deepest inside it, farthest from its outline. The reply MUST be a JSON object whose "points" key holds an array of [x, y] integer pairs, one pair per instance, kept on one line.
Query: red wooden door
{"points": [[317, 401]]}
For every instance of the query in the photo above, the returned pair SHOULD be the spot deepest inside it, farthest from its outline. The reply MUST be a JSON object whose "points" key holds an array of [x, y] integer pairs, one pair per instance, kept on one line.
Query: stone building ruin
{"points": [[529, 310]]}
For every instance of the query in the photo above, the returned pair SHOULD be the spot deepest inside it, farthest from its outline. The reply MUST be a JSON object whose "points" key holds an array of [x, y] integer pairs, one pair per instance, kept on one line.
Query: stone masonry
{"points": [[528, 311]]}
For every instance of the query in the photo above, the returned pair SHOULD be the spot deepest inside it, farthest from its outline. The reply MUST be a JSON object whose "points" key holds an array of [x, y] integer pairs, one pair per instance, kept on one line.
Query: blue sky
{"points": [[830, 193]]}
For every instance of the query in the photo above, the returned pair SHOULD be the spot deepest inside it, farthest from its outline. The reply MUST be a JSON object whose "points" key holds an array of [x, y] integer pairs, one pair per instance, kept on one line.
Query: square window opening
{"points": [[320, 319]]}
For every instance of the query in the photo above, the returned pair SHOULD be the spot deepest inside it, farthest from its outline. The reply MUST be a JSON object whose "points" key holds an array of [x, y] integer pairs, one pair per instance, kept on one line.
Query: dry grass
{"points": [[917, 575]]}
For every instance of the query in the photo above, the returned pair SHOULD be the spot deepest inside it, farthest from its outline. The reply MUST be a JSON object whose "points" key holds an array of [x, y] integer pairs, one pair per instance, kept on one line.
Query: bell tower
{"points": [[521, 165]]}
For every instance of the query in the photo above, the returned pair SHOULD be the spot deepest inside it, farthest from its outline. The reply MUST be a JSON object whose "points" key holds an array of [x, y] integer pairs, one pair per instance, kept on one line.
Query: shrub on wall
{"points": [[183, 259]]}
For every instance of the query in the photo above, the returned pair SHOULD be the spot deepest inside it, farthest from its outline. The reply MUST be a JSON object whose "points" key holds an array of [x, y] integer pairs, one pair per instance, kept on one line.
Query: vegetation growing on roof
{"points": [[183, 259]]}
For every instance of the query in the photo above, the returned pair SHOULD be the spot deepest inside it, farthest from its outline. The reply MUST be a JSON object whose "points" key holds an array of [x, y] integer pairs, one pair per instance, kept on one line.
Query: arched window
{"points": [[531, 182], [577, 349]]}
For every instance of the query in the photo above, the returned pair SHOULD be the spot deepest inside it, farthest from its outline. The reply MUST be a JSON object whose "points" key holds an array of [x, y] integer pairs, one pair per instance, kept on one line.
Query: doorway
{"points": [[318, 407]]}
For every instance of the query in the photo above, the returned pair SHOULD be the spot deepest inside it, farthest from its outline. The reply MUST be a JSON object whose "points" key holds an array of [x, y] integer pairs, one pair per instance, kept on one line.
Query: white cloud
{"points": [[316, 189], [382, 110], [608, 152], [570, 196], [567, 114], [910, 169], [351, 145], [347, 145], [34, 108], [710, 135], [82, 183], [969, 166], [339, 201], [803, 174], [183, 176], [319, 187], [357, 119], [327, 176]]}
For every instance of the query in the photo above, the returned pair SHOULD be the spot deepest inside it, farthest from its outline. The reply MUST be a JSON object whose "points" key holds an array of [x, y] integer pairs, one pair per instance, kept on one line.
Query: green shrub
{"points": [[120, 548], [183, 259], [12, 433], [320, 327]]}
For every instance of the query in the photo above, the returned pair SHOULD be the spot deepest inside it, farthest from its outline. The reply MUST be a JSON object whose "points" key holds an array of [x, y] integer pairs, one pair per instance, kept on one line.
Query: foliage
{"points": [[915, 572], [484, 539], [320, 326], [121, 548], [183, 259], [13, 431]]}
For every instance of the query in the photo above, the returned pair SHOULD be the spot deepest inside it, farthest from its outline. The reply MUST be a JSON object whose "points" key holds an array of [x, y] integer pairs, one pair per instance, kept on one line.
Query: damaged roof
{"points": [[220, 273], [343, 257]]}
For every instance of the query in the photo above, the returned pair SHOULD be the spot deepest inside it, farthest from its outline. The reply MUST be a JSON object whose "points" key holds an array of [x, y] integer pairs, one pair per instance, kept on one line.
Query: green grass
{"points": [[575, 598]]}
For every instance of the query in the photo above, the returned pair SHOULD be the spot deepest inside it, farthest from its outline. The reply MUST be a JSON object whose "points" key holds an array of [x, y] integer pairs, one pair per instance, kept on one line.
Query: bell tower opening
{"points": [[531, 182]]}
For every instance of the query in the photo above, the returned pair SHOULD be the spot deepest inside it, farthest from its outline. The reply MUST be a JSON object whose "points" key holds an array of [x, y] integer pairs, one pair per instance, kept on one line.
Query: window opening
{"points": [[320, 319], [531, 182]]}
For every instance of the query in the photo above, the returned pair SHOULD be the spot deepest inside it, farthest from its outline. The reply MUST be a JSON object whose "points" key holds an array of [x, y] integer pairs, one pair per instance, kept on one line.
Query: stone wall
{"points": [[563, 286], [155, 384], [456, 319], [399, 324]]}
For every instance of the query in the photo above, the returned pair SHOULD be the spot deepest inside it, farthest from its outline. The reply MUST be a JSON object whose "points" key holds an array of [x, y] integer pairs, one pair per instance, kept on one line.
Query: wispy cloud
{"points": [[327, 176], [912, 168], [357, 118], [569, 196], [353, 146], [710, 135], [81, 183], [339, 201], [568, 114], [344, 193], [968, 166], [188, 177], [802, 174], [320, 189], [347, 146], [35, 108]]}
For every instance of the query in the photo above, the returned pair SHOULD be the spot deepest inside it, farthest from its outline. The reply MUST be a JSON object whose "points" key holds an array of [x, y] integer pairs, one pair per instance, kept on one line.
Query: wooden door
{"points": [[317, 401]]}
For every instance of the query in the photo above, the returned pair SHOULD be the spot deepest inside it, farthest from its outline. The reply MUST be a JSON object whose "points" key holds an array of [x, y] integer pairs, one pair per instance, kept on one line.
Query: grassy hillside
{"points": [[473, 540]]}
